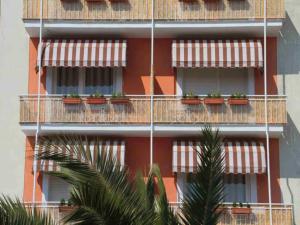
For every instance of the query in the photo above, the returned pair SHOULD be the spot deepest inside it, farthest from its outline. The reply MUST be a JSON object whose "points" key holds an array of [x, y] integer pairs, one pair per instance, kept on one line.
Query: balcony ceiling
{"points": [[67, 29], [159, 130]]}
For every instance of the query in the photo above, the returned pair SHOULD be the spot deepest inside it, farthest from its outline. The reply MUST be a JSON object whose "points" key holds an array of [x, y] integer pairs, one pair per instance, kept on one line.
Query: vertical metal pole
{"points": [[266, 112], [152, 85], [38, 106]]}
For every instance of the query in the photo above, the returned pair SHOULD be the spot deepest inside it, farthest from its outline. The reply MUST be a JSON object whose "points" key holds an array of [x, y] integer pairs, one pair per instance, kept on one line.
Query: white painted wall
{"points": [[289, 70], [13, 82]]}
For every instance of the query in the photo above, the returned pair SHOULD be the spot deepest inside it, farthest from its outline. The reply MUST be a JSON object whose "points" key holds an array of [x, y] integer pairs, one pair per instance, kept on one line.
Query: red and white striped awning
{"points": [[83, 53], [217, 54], [115, 148], [241, 157]]}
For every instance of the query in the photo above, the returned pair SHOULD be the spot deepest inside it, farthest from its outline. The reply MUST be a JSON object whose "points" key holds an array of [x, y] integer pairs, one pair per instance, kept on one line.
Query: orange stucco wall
{"points": [[262, 180], [138, 158], [33, 72], [271, 70], [28, 174]]}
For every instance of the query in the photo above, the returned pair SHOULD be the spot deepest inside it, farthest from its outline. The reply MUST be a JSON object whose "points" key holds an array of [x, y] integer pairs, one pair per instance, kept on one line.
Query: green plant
{"points": [[234, 204], [70, 202], [248, 205], [214, 95], [118, 95], [72, 95], [62, 202], [96, 95], [189, 95], [238, 95], [206, 193], [241, 205]]}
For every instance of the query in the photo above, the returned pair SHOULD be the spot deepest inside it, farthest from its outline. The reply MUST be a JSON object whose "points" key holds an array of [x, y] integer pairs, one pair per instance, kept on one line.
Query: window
{"points": [[67, 80], [98, 81], [55, 189], [237, 187], [84, 80]]}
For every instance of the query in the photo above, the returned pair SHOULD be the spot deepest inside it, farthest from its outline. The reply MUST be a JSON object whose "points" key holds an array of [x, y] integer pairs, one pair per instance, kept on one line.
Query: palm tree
{"points": [[101, 189], [200, 206], [13, 212], [102, 192]]}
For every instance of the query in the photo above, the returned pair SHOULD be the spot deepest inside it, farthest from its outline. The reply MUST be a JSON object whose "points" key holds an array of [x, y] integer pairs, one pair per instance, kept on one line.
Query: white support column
{"points": [[266, 113], [152, 86]]}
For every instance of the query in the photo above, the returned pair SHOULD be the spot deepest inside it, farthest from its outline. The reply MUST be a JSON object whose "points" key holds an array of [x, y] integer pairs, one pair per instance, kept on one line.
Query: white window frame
{"points": [[180, 80], [51, 80], [250, 187]]}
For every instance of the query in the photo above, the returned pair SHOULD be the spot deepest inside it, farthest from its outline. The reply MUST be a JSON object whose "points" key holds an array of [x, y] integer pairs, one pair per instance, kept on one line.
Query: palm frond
{"points": [[13, 212], [200, 206], [102, 190]]}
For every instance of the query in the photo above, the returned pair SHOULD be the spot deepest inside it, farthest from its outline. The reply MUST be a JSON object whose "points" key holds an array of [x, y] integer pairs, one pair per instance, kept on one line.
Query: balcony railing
{"points": [[167, 10], [167, 110], [281, 214]]}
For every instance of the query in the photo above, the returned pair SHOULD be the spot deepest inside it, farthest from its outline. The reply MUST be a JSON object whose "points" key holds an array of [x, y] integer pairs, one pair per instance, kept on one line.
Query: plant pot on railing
{"points": [[214, 99], [238, 99], [241, 210], [96, 100], [72, 100], [119, 98], [191, 101], [65, 208]]}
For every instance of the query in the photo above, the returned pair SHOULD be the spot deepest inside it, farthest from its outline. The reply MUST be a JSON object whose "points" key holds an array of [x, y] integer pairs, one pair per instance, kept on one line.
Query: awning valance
{"points": [[217, 53], [83, 53], [241, 157], [114, 148]]}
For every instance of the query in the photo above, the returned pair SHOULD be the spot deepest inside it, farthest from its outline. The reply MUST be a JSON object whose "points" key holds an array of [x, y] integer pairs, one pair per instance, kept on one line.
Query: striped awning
{"points": [[114, 148], [217, 53], [241, 157], [83, 53]]}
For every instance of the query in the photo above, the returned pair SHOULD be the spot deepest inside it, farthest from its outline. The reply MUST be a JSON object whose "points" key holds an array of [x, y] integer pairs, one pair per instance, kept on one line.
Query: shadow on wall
{"points": [[289, 69]]}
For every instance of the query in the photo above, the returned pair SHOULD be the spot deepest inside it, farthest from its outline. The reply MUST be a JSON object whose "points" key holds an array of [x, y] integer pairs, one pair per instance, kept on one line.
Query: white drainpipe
{"points": [[38, 106], [266, 112], [152, 85]]}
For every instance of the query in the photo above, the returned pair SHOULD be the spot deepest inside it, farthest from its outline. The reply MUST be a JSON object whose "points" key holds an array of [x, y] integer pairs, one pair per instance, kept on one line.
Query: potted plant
{"points": [[190, 99], [240, 209], [96, 99], [214, 98], [72, 99], [119, 98], [238, 99], [65, 207]]}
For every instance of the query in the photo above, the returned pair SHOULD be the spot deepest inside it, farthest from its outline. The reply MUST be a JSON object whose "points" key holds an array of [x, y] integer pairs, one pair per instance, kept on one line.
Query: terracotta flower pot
{"points": [[71, 101], [119, 100], [96, 101], [239, 210], [214, 101], [66, 209], [191, 101], [238, 101]]}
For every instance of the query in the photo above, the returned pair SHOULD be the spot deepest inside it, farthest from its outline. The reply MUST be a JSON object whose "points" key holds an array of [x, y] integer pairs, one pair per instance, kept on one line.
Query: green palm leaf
{"points": [[13, 212], [200, 207]]}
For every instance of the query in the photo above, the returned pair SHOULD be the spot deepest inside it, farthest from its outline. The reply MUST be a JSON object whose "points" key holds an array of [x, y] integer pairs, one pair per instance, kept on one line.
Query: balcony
{"points": [[282, 214], [165, 10], [167, 110]]}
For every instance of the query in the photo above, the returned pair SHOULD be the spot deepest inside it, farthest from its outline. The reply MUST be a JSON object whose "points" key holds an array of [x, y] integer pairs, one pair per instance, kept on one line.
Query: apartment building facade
{"points": [[158, 56]]}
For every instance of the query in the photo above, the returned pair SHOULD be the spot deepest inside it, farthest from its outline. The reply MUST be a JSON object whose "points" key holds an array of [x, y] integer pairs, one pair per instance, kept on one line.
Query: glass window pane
{"points": [[235, 188], [67, 80], [99, 80]]}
